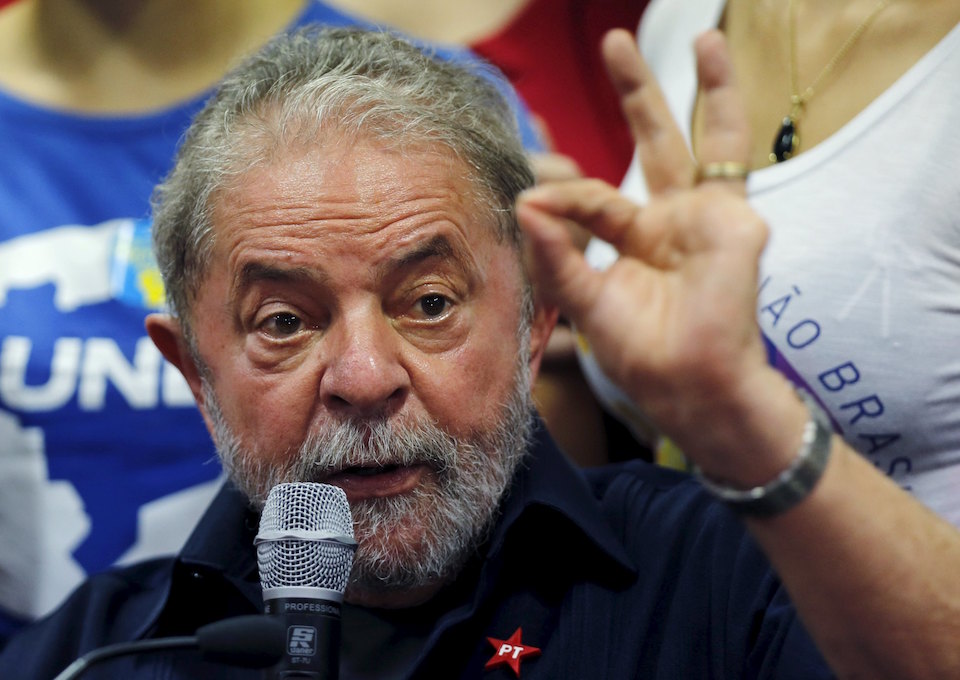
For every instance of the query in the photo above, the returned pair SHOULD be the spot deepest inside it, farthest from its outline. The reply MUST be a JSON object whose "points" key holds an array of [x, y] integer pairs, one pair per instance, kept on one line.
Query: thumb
{"points": [[559, 271]]}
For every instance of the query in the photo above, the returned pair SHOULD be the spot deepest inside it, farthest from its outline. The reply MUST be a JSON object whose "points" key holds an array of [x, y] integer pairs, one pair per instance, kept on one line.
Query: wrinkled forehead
{"points": [[343, 197], [331, 163], [271, 139]]}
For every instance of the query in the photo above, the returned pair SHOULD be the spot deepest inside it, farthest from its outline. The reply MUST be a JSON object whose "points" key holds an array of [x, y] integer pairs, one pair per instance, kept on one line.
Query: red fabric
{"points": [[551, 54]]}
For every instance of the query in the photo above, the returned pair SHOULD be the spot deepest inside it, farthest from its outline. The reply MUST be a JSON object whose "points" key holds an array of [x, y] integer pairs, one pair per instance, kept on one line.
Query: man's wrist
{"points": [[794, 483]]}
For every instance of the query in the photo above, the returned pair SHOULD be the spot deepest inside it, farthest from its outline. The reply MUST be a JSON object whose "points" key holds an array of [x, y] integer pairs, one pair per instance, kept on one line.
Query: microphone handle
{"points": [[313, 638]]}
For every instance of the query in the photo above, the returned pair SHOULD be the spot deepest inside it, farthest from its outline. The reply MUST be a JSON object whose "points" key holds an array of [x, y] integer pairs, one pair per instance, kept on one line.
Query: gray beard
{"points": [[415, 539]]}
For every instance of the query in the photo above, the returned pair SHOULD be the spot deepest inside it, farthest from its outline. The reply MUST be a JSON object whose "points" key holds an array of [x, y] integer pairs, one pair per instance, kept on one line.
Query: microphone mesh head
{"points": [[291, 548]]}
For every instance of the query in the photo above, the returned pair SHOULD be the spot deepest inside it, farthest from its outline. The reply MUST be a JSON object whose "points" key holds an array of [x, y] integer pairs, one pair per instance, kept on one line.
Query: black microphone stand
{"points": [[249, 641]]}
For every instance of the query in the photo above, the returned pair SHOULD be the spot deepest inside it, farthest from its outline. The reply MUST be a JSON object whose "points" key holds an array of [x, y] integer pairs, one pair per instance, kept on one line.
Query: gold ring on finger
{"points": [[726, 170]]}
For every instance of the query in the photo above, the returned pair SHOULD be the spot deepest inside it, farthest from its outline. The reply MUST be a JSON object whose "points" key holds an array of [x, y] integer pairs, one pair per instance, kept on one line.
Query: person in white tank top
{"points": [[859, 294]]}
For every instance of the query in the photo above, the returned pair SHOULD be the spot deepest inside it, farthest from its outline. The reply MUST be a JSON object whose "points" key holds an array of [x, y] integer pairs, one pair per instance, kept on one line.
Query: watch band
{"points": [[793, 484]]}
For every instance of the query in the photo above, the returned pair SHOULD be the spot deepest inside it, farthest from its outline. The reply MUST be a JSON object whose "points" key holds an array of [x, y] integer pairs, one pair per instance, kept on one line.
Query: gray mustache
{"points": [[382, 443]]}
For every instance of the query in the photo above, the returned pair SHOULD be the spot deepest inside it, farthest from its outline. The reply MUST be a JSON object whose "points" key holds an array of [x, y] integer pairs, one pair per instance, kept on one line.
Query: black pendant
{"points": [[786, 141]]}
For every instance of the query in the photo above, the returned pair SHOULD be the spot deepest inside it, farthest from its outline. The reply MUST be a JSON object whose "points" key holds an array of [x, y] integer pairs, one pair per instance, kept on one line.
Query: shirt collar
{"points": [[223, 539], [549, 482]]}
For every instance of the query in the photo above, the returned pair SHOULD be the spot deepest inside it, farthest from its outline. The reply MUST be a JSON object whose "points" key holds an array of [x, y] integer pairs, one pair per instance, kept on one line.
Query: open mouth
{"points": [[360, 482], [370, 470]]}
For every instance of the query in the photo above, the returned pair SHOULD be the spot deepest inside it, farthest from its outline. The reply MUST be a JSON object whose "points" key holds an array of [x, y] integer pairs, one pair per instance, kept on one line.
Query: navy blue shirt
{"points": [[627, 571]]}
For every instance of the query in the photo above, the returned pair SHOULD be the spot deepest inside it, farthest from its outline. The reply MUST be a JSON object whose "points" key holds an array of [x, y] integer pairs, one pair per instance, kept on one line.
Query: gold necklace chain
{"points": [[788, 137]]}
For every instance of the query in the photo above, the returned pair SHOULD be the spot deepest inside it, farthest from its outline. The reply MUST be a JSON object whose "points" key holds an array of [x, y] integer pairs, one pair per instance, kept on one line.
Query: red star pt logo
{"points": [[510, 652]]}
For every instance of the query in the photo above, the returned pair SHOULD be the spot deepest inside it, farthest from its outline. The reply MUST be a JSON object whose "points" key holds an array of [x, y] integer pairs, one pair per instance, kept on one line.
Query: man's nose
{"points": [[364, 373]]}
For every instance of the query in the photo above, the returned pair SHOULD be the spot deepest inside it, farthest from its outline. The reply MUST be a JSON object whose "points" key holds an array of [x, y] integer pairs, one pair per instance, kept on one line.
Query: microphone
{"points": [[305, 549], [250, 641]]}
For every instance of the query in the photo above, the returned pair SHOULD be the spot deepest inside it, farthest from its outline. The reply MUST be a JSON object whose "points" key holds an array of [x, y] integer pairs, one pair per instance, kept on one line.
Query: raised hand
{"points": [[672, 321]]}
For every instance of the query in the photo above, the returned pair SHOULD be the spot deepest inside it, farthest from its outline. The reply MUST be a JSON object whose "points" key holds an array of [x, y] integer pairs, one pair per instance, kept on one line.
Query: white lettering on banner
{"points": [[137, 382], [78, 261], [56, 392], [86, 368]]}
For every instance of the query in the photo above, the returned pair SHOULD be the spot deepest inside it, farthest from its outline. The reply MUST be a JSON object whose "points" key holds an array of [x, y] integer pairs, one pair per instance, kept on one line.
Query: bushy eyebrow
{"points": [[439, 247], [253, 272], [436, 247]]}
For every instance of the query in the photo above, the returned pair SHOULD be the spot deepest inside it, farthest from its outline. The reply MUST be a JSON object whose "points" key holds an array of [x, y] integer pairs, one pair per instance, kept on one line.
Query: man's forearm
{"points": [[873, 573]]}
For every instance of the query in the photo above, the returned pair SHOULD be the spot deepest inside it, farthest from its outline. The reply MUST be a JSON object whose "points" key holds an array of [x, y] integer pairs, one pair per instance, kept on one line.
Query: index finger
{"points": [[667, 163]]}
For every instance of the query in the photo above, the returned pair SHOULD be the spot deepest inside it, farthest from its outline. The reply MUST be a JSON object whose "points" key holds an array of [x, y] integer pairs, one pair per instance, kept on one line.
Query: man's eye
{"points": [[433, 305], [283, 324]]}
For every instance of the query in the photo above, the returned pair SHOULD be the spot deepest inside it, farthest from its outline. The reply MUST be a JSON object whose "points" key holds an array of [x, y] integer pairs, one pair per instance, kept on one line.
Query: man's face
{"points": [[359, 326]]}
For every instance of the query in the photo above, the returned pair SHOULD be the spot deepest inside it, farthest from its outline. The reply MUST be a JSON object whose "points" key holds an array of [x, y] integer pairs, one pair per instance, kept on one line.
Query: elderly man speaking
{"points": [[352, 305]]}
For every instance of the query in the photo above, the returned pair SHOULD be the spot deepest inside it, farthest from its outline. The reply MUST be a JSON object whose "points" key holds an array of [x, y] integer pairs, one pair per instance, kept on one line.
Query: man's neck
{"points": [[128, 56]]}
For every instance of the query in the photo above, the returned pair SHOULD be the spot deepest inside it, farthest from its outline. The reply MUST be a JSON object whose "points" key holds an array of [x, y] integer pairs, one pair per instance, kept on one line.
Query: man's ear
{"points": [[544, 319], [168, 336]]}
